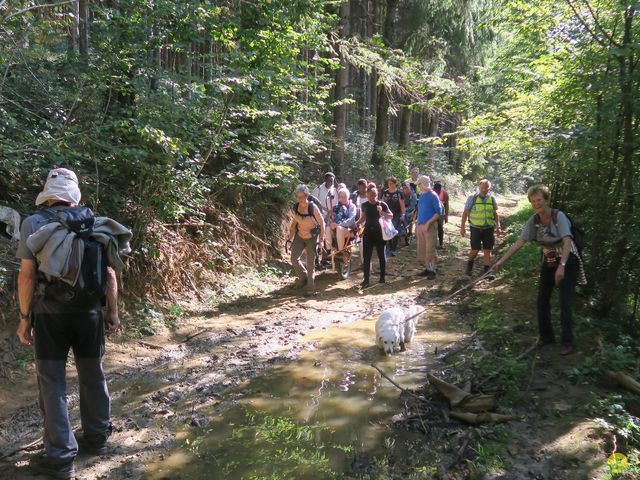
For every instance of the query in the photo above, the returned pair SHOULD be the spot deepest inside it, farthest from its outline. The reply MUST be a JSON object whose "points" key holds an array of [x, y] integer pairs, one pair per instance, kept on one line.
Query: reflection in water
{"points": [[308, 418]]}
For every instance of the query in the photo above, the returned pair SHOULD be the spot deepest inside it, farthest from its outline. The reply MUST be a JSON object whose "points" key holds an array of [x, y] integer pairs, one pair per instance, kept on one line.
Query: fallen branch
{"points": [[193, 285], [455, 351], [29, 446], [461, 399], [194, 335], [402, 389], [153, 346], [625, 381], [252, 236], [35, 445], [331, 310], [480, 418]]}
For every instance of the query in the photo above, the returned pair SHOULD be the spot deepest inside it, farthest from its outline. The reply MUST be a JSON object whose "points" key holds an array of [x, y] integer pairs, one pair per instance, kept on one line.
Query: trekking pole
{"points": [[486, 274]]}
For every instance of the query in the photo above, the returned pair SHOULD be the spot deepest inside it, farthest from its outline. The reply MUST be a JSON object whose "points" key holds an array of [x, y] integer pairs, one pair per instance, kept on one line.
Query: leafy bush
{"points": [[613, 417]]}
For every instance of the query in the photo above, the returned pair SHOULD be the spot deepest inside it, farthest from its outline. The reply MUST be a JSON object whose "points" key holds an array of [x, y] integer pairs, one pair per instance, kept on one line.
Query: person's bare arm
{"points": [[403, 207], [496, 218], [566, 251], [292, 229], [463, 224], [27, 279], [362, 218], [113, 318]]}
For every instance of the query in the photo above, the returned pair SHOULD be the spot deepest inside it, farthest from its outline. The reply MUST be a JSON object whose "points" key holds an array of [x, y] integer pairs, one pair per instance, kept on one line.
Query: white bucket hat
{"points": [[61, 186]]}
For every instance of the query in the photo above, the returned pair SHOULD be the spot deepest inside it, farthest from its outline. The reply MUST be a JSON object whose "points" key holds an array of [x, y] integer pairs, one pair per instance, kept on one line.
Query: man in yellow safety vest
{"points": [[481, 210]]}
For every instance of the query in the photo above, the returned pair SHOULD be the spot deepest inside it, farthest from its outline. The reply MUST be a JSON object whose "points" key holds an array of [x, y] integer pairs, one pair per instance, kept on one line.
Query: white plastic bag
{"points": [[388, 230]]}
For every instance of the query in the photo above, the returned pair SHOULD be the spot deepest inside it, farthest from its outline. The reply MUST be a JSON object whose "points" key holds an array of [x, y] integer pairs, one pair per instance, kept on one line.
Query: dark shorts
{"points": [[482, 238]]}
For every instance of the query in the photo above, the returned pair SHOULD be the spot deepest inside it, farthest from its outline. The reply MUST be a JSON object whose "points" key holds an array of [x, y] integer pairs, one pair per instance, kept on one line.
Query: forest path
{"points": [[170, 387]]}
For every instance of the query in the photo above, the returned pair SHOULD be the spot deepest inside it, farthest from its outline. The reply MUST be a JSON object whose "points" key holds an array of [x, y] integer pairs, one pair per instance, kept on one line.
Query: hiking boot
{"points": [[310, 293], [566, 349], [393, 253], [299, 283], [489, 276], [469, 267], [429, 273], [90, 446], [364, 284], [44, 464], [382, 280]]}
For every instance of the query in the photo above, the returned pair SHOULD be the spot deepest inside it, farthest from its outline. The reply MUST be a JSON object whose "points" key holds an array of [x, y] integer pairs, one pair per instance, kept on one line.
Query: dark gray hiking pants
{"points": [[55, 334], [298, 246]]}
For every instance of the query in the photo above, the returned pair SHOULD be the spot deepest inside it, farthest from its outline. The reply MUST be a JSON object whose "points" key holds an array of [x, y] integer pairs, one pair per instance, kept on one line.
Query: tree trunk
{"points": [[405, 127], [612, 289], [72, 39], [382, 112], [340, 95], [382, 128], [83, 29]]}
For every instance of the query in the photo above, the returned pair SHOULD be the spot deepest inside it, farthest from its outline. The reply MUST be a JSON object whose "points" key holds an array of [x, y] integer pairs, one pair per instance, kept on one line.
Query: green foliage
{"points": [[558, 102], [487, 459], [526, 262], [612, 416], [492, 325], [277, 448], [506, 372], [620, 356]]}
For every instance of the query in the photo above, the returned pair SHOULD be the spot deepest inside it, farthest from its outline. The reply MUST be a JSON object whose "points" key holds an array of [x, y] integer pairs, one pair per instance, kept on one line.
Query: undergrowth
{"points": [[527, 260]]}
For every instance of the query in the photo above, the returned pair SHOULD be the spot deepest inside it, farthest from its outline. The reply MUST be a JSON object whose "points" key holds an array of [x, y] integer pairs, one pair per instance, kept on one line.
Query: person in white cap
{"points": [[327, 195], [429, 212], [54, 327]]}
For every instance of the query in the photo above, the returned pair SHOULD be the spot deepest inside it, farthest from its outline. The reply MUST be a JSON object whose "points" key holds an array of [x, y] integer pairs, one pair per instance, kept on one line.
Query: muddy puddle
{"points": [[311, 418]]}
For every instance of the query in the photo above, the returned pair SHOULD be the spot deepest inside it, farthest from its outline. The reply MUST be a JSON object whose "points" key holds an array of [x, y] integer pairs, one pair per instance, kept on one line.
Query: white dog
{"points": [[397, 326]]}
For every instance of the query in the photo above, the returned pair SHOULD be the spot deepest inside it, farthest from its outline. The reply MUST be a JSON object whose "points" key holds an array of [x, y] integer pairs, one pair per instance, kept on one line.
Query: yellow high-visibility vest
{"points": [[482, 213]]}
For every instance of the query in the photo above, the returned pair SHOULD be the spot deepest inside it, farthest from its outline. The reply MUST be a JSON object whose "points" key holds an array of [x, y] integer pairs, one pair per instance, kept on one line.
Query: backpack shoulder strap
{"points": [[47, 214], [554, 216], [536, 220]]}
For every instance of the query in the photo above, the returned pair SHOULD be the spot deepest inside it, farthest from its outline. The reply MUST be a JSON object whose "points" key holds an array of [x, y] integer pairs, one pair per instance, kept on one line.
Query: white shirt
{"points": [[324, 194]]}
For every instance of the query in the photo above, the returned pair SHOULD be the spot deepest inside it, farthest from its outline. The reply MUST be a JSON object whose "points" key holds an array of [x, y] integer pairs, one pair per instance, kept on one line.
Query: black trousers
{"points": [[566, 290], [441, 232], [370, 240], [57, 332]]}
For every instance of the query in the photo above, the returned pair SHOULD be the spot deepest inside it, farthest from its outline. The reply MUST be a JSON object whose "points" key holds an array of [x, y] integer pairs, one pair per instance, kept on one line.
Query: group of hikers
{"points": [[326, 217], [420, 208], [67, 285]]}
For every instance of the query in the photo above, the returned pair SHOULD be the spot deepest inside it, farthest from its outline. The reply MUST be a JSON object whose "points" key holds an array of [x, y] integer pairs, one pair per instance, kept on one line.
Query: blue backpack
{"points": [[91, 286]]}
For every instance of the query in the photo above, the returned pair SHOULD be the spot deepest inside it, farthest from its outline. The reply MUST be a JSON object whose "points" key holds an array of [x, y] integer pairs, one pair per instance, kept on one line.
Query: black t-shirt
{"points": [[372, 216], [393, 201]]}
